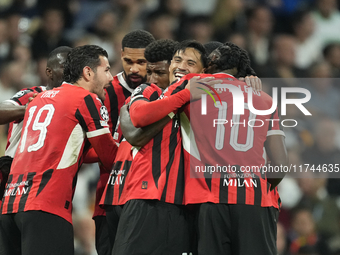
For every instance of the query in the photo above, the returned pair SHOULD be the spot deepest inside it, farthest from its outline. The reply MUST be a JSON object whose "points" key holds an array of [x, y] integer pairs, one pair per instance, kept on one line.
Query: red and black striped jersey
{"points": [[15, 127], [115, 190], [222, 143], [114, 187], [157, 170], [115, 97], [58, 126]]}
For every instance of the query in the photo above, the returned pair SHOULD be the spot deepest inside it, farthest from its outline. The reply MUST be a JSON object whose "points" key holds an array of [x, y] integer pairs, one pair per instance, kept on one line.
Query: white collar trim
{"points": [[123, 82]]}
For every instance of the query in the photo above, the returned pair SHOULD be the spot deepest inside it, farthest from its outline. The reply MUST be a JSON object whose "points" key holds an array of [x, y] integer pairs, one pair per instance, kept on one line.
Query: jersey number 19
{"points": [[37, 126]]}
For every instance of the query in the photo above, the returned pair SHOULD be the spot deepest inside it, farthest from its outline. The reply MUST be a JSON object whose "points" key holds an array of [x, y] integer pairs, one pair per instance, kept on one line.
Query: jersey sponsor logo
{"points": [[116, 177], [16, 191], [104, 113], [19, 189], [240, 183]]}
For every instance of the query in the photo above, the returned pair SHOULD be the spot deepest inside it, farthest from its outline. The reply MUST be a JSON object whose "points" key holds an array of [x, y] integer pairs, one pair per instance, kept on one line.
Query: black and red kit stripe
{"points": [[59, 125], [115, 97]]}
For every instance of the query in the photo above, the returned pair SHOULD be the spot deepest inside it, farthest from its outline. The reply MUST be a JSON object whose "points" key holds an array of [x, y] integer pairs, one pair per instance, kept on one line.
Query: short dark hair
{"points": [[78, 58], [233, 56], [137, 39], [160, 50], [53, 54], [182, 46], [211, 46]]}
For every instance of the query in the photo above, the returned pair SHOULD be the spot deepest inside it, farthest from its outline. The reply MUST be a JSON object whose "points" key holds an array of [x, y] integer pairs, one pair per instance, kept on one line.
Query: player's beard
{"points": [[132, 84]]}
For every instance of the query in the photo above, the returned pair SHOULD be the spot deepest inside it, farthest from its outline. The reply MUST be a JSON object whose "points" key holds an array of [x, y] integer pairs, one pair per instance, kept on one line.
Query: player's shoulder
{"points": [[94, 97], [142, 87], [191, 75], [24, 92], [266, 99], [74, 93], [115, 82], [23, 95], [38, 88], [177, 85], [151, 88], [200, 75], [259, 98], [180, 84], [119, 82], [147, 90], [246, 90]]}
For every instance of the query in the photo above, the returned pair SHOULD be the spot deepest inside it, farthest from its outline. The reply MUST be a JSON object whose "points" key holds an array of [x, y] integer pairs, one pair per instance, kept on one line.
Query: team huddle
{"points": [[145, 128]]}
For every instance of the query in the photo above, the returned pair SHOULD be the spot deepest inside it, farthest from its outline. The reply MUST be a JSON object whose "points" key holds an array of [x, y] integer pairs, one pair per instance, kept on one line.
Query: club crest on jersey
{"points": [[104, 113], [144, 185]]}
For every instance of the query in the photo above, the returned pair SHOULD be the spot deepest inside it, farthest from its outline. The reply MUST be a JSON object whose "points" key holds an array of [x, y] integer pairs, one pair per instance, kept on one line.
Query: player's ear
{"points": [[48, 72], [87, 73]]}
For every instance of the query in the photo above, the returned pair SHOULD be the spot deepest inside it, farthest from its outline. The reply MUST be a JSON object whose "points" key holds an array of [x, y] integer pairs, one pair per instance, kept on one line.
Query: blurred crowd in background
{"points": [[286, 39]]}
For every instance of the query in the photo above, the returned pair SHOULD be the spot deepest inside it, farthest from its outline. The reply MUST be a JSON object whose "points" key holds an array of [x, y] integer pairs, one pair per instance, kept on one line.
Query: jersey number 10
{"points": [[234, 132]]}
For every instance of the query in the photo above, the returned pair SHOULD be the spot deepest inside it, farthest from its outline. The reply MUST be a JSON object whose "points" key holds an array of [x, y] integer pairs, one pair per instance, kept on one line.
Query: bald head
{"points": [[55, 66]]}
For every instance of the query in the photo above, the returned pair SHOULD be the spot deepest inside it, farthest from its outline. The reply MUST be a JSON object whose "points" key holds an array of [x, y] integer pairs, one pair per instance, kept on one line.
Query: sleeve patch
{"points": [[104, 113]]}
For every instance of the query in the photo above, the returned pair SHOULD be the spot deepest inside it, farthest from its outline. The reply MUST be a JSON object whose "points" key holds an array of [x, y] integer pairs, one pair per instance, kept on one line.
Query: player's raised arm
{"points": [[144, 113], [14, 108], [139, 136]]}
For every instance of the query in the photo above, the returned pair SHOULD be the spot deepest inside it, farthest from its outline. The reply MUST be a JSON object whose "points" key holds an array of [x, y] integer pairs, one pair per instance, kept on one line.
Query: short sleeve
{"points": [[93, 116], [275, 127], [22, 96]]}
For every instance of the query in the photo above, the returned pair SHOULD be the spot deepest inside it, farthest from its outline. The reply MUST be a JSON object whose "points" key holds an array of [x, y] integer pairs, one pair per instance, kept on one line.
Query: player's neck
{"points": [[84, 85], [49, 87], [232, 71]]}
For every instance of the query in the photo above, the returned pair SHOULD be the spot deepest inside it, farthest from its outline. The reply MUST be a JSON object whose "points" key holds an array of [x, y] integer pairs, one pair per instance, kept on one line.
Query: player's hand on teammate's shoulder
{"points": [[253, 81], [198, 86], [30, 99]]}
